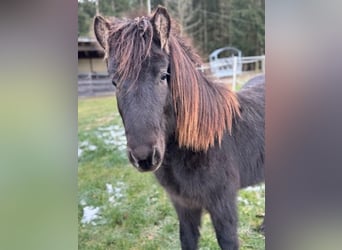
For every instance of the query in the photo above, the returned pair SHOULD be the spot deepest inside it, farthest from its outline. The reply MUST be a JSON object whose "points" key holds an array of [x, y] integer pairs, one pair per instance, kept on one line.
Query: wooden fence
{"points": [[95, 84]]}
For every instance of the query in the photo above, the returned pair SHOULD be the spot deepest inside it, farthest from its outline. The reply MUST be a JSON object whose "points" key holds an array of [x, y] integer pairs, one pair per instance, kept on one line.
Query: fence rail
{"points": [[248, 63], [94, 84]]}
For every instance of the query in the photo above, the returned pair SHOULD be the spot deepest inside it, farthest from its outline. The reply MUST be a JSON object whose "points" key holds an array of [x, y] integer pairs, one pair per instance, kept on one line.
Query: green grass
{"points": [[137, 214]]}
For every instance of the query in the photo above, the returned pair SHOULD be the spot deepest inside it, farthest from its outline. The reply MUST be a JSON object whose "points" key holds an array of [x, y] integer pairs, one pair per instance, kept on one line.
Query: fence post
{"points": [[234, 72], [149, 7], [92, 85], [263, 64]]}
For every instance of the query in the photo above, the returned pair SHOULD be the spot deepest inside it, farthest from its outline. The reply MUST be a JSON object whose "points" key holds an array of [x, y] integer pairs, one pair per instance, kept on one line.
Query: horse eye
{"points": [[114, 83], [163, 76]]}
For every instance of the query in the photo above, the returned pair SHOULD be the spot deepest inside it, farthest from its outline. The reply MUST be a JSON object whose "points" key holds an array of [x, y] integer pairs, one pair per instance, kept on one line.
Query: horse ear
{"points": [[101, 27], [161, 22]]}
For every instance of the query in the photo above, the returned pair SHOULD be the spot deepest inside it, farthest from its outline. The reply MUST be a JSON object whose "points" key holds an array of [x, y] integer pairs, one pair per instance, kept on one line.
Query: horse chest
{"points": [[184, 183]]}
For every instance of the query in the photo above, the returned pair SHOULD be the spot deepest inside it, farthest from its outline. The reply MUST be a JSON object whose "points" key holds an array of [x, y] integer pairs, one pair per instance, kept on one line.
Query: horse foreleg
{"points": [[224, 219], [189, 225]]}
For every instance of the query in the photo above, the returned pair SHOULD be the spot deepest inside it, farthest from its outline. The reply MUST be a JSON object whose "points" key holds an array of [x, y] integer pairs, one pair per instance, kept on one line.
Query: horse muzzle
{"points": [[145, 158]]}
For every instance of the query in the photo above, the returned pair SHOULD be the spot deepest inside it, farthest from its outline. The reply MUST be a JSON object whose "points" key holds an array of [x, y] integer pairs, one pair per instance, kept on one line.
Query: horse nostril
{"points": [[133, 159], [156, 156]]}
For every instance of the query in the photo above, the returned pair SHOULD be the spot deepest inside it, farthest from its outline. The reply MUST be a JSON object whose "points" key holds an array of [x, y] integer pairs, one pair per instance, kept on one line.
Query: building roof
{"points": [[89, 48]]}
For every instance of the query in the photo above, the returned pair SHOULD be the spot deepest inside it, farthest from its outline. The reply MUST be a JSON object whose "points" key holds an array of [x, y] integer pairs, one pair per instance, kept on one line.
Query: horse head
{"points": [[137, 56]]}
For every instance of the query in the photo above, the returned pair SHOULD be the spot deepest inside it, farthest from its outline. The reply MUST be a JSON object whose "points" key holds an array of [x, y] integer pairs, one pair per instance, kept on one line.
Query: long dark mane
{"points": [[204, 110]]}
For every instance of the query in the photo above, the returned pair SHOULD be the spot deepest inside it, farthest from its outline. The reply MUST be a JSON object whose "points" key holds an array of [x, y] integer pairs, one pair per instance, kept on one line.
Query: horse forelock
{"points": [[131, 41]]}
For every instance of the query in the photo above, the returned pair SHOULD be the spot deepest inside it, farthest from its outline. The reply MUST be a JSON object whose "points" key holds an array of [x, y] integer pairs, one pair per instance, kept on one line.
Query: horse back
{"points": [[249, 132]]}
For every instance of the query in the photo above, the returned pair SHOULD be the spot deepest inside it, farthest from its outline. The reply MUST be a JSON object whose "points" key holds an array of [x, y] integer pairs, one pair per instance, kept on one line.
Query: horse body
{"points": [[202, 141], [196, 180], [250, 132], [241, 154]]}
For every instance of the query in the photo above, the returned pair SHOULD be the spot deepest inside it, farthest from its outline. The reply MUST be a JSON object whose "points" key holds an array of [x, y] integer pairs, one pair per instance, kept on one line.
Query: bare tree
{"points": [[186, 13]]}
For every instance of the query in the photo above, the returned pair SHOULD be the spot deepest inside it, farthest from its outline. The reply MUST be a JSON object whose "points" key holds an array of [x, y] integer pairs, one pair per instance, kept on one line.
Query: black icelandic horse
{"points": [[202, 141]]}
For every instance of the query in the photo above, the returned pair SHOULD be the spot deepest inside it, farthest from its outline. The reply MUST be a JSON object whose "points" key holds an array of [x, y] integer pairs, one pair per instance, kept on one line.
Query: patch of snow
{"points": [[111, 200], [110, 128], [112, 135], [117, 133], [92, 147], [242, 200], [258, 188], [90, 213], [84, 144], [116, 192], [121, 184], [109, 188], [80, 151]]}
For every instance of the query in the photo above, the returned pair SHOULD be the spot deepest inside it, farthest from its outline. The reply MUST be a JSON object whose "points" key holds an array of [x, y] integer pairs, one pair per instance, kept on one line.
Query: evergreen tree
{"points": [[211, 24]]}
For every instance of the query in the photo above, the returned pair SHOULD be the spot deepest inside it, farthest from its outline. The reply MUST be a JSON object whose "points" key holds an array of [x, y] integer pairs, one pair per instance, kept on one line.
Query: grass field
{"points": [[120, 208]]}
